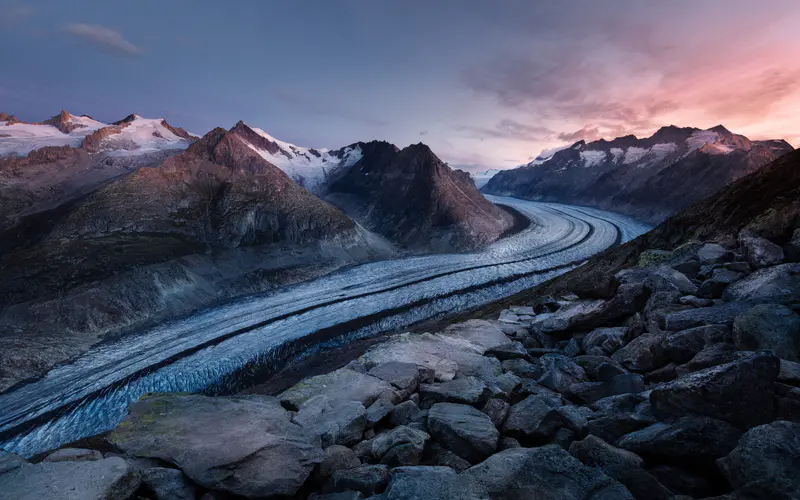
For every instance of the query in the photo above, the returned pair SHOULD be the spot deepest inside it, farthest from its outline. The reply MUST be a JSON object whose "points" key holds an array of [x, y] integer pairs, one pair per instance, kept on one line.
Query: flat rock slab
{"points": [[73, 455], [464, 430], [544, 472], [343, 384], [467, 390], [687, 437], [723, 314], [334, 421], [247, 446], [430, 482], [777, 284], [404, 376], [107, 479]]}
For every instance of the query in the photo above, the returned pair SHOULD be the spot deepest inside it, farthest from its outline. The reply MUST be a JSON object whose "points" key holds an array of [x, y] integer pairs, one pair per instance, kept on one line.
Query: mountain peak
{"points": [[128, 119]]}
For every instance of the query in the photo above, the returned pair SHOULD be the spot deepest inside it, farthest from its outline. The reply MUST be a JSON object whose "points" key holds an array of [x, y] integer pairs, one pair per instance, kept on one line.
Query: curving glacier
{"points": [[213, 350]]}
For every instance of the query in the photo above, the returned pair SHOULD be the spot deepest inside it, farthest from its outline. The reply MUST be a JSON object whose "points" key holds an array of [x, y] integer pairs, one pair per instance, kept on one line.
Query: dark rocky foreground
{"points": [[683, 383]]}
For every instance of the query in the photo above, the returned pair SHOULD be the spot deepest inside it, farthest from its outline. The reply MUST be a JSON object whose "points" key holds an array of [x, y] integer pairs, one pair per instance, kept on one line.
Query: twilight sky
{"points": [[486, 84]]}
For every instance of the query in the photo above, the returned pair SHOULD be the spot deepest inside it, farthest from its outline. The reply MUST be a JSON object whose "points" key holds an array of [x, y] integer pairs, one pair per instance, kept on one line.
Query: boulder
{"points": [[73, 455], [405, 413], [769, 452], [560, 372], [247, 446], [682, 481], [435, 454], [497, 409], [509, 350], [604, 341], [10, 461], [507, 383], [106, 479], [168, 484], [739, 392], [334, 421], [712, 253], [402, 435], [769, 326], [546, 472], [534, 419], [694, 301], [343, 384], [523, 368], [466, 390], [720, 279], [462, 429], [595, 452], [760, 252], [616, 416], [576, 419], [430, 482], [713, 355], [640, 354], [379, 410], [723, 314], [367, 479], [335, 458], [777, 284], [685, 438], [507, 316], [789, 373], [682, 346], [404, 376]]}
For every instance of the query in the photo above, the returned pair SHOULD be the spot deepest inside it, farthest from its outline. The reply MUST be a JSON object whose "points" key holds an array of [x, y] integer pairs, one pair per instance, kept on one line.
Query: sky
{"points": [[487, 84]]}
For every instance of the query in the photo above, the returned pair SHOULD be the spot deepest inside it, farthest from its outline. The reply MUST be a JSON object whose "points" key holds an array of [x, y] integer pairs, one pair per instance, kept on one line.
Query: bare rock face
{"points": [[62, 122], [415, 199], [246, 446]]}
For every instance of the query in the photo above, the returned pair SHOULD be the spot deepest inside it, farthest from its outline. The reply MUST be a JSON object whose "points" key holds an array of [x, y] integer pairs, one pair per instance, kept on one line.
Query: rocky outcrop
{"points": [[415, 199]]}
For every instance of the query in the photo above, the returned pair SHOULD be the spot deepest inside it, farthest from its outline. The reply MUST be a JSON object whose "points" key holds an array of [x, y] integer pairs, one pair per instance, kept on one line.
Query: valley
{"points": [[219, 350]]}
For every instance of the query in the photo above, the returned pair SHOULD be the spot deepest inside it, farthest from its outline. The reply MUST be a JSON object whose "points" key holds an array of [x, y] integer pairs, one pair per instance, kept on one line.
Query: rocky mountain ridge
{"points": [[648, 178]]}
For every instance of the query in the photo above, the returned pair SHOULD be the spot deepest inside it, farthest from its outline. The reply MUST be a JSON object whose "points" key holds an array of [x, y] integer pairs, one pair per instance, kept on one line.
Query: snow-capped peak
{"points": [[309, 167]]}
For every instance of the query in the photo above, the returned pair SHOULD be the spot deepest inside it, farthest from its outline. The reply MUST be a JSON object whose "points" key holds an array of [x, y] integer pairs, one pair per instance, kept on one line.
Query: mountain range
{"points": [[649, 178]]}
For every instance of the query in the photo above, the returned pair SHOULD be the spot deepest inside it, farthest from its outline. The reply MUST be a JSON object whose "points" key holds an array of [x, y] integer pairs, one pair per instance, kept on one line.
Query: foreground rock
{"points": [[462, 429], [107, 479], [247, 446]]}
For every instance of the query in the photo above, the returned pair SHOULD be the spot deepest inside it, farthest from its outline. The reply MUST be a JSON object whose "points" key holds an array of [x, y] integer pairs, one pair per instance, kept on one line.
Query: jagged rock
{"points": [[588, 392], [770, 453], [640, 353], [401, 456], [713, 355], [463, 430], [506, 316], [545, 304], [560, 372], [334, 421], [340, 385], [777, 284], [568, 316], [106, 479], [467, 390], [572, 348], [789, 373], [402, 435], [334, 458], [607, 371], [607, 340], [441, 483], [686, 437], [507, 443], [717, 315], [712, 253], [405, 413], [694, 301], [682, 346], [544, 472], [531, 388], [624, 383], [690, 268], [714, 287], [404, 376], [379, 410], [168, 484], [592, 363], [367, 479], [534, 419], [575, 418], [508, 383], [247, 446], [523, 310], [510, 350], [739, 392], [73, 455], [760, 252], [616, 416], [497, 409], [769, 326], [435, 454]]}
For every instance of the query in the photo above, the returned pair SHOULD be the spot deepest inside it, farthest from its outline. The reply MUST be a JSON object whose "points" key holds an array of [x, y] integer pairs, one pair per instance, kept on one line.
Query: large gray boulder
{"points": [[616, 416], [402, 435], [720, 279], [404, 376], [343, 384], [604, 341], [712, 253], [247, 446], [462, 429], [334, 421], [681, 347], [760, 252], [533, 420], [640, 354], [107, 479], [686, 437], [430, 482], [740, 392], [466, 390], [546, 472], [768, 453], [777, 284], [560, 372], [723, 314], [769, 326]]}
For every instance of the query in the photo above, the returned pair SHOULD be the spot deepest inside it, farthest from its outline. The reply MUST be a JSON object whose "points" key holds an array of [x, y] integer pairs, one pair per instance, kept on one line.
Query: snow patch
{"points": [[617, 154], [700, 138], [481, 178], [634, 154], [593, 158]]}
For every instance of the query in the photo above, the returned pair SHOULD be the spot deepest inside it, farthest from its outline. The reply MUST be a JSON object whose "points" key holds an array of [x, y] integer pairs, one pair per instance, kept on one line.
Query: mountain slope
{"points": [[648, 178], [413, 198]]}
